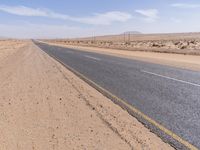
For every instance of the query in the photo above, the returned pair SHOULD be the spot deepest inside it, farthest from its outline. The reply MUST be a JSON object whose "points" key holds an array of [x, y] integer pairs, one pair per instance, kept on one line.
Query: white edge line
{"points": [[182, 81], [92, 57]]}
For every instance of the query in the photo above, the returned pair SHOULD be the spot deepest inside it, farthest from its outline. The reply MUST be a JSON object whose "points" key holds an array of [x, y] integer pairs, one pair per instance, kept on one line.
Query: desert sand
{"points": [[45, 106], [8, 47]]}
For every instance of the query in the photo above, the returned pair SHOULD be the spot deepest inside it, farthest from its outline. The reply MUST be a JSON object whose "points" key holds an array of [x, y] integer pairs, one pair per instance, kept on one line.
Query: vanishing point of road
{"points": [[168, 95]]}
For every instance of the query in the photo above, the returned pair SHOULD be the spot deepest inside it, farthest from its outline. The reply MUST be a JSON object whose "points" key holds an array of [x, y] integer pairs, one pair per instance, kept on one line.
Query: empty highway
{"points": [[168, 95]]}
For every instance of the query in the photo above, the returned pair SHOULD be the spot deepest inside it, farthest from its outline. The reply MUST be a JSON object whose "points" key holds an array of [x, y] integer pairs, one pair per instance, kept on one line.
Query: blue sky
{"points": [[79, 18]]}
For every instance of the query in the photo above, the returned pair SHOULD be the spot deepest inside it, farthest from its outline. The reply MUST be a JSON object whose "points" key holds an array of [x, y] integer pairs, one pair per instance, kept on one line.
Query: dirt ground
{"points": [[8, 47], [190, 62], [45, 106]]}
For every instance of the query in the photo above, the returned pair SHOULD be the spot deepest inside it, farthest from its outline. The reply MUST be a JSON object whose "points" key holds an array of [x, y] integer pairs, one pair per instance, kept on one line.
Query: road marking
{"points": [[92, 57], [170, 78]]}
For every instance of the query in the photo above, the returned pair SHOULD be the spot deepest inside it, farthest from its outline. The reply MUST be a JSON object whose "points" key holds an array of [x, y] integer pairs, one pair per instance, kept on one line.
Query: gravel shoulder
{"points": [[45, 106]]}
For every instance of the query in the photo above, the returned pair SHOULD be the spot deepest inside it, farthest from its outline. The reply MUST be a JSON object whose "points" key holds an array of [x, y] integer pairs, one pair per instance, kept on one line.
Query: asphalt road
{"points": [[168, 95]]}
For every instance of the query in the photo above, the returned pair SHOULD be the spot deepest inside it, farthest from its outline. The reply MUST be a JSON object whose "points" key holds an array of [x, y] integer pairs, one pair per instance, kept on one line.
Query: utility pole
{"points": [[129, 37], [94, 38], [124, 37]]}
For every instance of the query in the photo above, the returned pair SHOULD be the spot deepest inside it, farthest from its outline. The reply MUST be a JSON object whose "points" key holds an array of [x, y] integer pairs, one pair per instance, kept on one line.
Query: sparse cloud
{"points": [[149, 15], [106, 18], [185, 5]]}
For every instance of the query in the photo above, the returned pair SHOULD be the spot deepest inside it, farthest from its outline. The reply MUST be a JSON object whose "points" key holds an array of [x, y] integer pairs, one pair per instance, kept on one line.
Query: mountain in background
{"points": [[132, 32], [3, 38]]}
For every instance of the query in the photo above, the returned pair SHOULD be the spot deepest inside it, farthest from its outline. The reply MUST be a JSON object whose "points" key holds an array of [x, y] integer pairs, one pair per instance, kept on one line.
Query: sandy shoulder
{"points": [[9, 47], [176, 60], [45, 106]]}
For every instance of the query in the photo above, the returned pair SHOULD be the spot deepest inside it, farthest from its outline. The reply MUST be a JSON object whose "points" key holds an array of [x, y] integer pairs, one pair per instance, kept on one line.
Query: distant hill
{"points": [[4, 38], [1, 37], [132, 32]]}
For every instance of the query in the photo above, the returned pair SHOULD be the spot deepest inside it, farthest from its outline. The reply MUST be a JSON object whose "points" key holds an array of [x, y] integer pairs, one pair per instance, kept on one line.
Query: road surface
{"points": [[168, 95]]}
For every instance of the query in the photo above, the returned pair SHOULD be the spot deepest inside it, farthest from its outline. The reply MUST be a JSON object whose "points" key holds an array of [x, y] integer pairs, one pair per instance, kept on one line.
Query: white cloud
{"points": [[23, 11], [149, 14], [185, 5], [106, 18]]}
